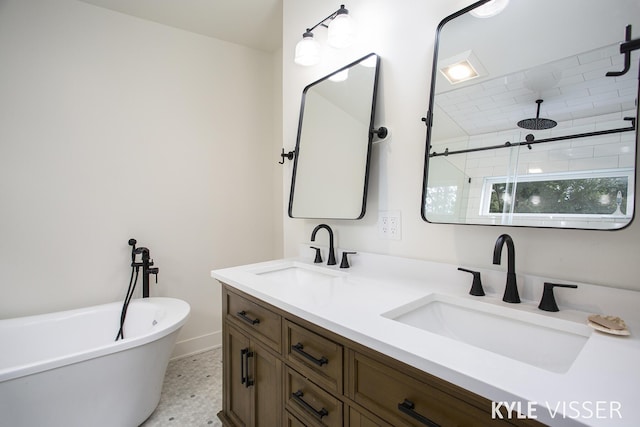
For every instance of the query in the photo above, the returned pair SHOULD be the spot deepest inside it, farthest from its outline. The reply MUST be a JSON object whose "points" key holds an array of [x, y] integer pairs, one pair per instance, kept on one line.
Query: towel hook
{"points": [[284, 155]]}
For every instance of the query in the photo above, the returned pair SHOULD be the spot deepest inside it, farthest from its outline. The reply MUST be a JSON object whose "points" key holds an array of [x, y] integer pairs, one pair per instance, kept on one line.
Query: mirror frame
{"points": [[369, 138], [428, 120]]}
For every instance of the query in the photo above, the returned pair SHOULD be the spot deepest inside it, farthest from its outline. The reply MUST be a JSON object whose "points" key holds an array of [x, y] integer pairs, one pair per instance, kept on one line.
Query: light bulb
{"points": [[307, 50], [460, 71], [341, 30]]}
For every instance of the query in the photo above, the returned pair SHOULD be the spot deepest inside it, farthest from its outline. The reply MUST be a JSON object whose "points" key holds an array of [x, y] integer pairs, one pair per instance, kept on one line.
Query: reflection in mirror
{"points": [[331, 164], [534, 133]]}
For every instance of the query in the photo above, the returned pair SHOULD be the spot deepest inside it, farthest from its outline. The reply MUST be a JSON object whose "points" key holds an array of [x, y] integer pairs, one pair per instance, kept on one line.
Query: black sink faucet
{"points": [[332, 255], [511, 289]]}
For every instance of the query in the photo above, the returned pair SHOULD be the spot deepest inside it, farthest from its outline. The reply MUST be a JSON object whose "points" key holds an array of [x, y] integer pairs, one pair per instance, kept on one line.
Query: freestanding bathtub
{"points": [[65, 369]]}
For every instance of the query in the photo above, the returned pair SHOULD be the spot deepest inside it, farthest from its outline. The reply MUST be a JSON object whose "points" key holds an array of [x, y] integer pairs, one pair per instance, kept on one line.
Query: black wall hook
{"points": [[284, 155]]}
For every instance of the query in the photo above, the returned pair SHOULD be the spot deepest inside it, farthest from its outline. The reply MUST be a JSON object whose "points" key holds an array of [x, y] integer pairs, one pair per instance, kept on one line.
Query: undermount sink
{"points": [[296, 272], [308, 283], [549, 343]]}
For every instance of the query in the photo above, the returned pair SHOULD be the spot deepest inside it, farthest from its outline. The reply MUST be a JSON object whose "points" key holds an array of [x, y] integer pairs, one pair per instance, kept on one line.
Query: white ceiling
{"points": [[253, 23], [528, 54]]}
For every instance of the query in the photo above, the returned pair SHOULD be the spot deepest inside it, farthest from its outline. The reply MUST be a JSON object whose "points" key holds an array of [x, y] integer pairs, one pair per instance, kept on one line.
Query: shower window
{"points": [[571, 194]]}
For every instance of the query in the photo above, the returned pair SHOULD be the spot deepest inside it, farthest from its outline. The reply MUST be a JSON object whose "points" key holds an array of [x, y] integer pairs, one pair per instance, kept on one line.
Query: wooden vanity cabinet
{"points": [[280, 370]]}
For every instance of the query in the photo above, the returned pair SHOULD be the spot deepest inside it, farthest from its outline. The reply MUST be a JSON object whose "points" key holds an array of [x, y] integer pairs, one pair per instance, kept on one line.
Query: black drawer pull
{"points": [[408, 407], [297, 396], [243, 315], [298, 348]]}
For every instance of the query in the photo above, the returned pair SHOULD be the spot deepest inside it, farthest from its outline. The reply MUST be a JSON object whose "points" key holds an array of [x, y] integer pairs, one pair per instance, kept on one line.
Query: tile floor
{"points": [[191, 393]]}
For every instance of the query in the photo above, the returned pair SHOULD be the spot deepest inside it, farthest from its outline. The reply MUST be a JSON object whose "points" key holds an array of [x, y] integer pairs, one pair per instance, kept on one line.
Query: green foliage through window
{"points": [[578, 196]]}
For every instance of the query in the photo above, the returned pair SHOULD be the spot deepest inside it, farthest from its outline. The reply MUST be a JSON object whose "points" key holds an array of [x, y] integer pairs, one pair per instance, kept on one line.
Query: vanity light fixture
{"points": [[341, 35], [489, 9], [307, 50]]}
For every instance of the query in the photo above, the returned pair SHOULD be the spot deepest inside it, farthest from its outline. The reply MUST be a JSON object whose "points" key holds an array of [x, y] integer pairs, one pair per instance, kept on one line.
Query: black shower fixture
{"points": [[537, 123]]}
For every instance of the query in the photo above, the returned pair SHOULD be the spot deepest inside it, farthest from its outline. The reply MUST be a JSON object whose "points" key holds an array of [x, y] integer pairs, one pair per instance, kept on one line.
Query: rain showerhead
{"points": [[537, 123]]}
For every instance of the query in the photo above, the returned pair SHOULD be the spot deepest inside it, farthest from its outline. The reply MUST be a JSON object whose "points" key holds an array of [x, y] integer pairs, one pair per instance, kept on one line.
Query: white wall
{"points": [[403, 33], [112, 127]]}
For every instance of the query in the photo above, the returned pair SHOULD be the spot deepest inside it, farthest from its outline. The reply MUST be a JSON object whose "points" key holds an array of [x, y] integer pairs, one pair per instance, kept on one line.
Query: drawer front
{"points": [[309, 402], [264, 324], [314, 356], [404, 401]]}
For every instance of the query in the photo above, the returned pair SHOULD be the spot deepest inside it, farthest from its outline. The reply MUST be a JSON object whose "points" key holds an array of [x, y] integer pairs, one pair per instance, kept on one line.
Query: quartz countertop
{"points": [[600, 388]]}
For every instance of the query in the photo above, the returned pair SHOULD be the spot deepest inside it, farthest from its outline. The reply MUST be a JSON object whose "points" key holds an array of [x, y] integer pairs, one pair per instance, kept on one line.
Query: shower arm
{"points": [[530, 140]]}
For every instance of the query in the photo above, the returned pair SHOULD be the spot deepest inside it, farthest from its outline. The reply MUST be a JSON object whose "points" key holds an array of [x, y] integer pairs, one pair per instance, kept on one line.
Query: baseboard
{"points": [[197, 345]]}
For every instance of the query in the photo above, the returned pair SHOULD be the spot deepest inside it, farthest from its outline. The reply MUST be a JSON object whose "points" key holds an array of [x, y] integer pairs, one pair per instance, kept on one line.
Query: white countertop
{"points": [[600, 388]]}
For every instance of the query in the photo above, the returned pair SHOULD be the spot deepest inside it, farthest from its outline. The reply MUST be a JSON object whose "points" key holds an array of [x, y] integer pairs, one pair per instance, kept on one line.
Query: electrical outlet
{"points": [[390, 225]]}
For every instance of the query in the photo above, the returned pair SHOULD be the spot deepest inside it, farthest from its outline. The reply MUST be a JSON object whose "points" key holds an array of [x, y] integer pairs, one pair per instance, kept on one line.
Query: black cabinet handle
{"points": [[298, 348], [243, 377], [247, 383], [408, 407], [243, 315], [297, 396]]}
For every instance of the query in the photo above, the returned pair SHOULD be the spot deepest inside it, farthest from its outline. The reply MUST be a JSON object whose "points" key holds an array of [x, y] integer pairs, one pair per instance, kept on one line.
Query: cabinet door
{"points": [[237, 399], [266, 376]]}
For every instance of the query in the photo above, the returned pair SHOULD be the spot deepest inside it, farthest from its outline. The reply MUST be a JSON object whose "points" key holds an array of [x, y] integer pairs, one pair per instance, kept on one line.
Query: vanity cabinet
{"points": [[280, 370]]}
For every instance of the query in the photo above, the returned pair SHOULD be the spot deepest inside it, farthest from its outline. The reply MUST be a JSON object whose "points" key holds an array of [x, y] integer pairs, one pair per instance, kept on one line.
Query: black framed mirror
{"points": [[534, 133], [333, 147]]}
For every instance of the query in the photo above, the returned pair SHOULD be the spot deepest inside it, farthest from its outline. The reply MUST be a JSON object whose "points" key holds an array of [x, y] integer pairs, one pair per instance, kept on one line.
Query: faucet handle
{"points": [[476, 286], [155, 271], [318, 258], [548, 301], [345, 262]]}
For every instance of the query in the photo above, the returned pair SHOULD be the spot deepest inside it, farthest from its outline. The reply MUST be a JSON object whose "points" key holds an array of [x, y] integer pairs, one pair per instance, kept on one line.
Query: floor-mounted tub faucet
{"points": [[147, 270], [332, 255], [511, 288]]}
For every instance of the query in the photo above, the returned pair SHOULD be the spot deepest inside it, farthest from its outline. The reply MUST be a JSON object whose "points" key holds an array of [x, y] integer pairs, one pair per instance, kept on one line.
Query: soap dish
{"points": [[608, 324]]}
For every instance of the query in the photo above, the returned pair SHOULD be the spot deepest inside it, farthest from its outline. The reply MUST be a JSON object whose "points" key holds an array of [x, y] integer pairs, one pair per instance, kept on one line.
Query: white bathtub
{"points": [[65, 369]]}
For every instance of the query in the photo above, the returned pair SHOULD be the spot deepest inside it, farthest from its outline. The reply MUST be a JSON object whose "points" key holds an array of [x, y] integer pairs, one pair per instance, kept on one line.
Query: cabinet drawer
{"points": [[314, 356], [405, 401], [264, 324], [309, 402]]}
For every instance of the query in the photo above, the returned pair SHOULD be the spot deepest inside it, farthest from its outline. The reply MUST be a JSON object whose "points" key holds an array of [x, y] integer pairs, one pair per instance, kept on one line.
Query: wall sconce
{"points": [[341, 35]]}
